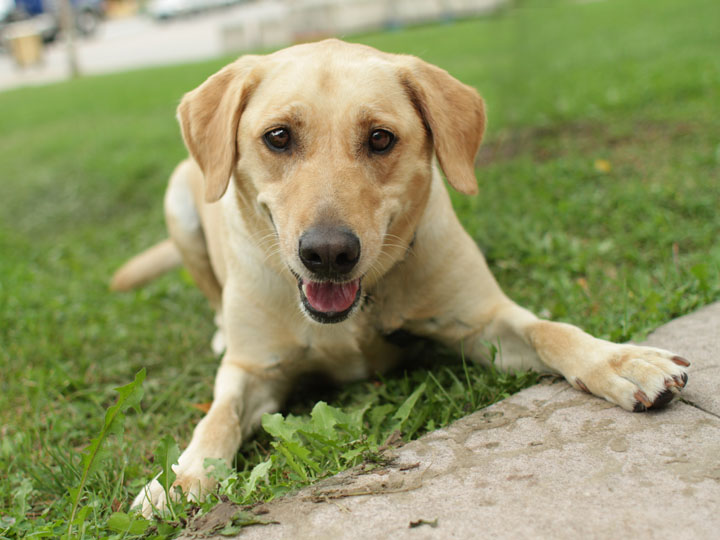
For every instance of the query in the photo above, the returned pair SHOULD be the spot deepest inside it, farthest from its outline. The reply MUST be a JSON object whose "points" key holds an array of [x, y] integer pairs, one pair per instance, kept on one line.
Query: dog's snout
{"points": [[327, 251]]}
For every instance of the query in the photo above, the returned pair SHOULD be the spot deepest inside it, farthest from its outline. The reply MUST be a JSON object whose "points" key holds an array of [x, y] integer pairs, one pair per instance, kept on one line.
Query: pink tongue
{"points": [[330, 297]]}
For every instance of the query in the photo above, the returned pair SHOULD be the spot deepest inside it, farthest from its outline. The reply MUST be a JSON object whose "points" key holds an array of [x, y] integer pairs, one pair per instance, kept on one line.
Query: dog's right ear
{"points": [[209, 118]]}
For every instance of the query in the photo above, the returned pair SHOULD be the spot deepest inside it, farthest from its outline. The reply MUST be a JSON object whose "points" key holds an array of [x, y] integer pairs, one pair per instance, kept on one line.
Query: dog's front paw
{"points": [[635, 378], [152, 497], [192, 485]]}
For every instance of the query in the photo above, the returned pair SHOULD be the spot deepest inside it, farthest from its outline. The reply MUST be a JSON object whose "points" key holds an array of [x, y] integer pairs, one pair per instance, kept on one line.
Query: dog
{"points": [[313, 215]]}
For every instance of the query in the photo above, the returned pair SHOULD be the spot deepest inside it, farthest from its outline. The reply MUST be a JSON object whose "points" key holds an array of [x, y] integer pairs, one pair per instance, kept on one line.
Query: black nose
{"points": [[328, 251]]}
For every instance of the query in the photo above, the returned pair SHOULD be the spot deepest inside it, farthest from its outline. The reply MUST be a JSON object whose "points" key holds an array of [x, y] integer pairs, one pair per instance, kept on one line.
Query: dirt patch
{"points": [[550, 142], [226, 518]]}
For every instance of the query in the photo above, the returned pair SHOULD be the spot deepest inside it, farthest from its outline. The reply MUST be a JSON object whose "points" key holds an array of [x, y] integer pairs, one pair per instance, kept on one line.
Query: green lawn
{"points": [[599, 192]]}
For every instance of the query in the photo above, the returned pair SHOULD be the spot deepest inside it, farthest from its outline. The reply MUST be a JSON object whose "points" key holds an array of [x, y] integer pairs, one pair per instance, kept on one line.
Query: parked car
{"points": [[45, 14], [6, 8], [88, 15], [168, 9]]}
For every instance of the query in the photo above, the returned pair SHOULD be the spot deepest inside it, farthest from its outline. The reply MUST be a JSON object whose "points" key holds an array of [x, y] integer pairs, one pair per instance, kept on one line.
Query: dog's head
{"points": [[330, 145]]}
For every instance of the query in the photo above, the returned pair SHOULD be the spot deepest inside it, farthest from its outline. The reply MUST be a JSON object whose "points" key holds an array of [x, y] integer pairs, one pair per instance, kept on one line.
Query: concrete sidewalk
{"points": [[549, 462]]}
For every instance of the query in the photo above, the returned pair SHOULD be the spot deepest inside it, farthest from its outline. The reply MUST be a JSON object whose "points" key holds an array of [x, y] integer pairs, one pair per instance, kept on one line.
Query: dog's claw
{"points": [[677, 381], [643, 400], [663, 398], [582, 386], [680, 361]]}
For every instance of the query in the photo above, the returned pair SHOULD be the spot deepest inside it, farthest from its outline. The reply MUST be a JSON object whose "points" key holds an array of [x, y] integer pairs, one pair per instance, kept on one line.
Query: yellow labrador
{"points": [[312, 215]]}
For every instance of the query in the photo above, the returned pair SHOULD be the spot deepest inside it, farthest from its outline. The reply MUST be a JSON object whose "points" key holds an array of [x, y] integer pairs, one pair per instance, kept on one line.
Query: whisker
{"points": [[269, 236], [272, 253], [406, 248]]}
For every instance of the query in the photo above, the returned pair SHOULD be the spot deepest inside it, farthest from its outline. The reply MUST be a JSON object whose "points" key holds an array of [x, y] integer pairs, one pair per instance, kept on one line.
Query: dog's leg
{"points": [[185, 228], [240, 399], [634, 377], [476, 315]]}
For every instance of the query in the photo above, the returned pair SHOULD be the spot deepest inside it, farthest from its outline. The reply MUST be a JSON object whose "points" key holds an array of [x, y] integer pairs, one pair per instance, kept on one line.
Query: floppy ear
{"points": [[454, 114], [209, 118]]}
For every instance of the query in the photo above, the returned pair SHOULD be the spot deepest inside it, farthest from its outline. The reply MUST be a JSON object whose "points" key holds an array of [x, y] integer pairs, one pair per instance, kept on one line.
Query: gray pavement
{"points": [[549, 462]]}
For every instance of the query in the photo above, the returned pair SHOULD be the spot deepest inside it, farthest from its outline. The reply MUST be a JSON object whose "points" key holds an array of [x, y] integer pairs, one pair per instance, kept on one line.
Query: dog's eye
{"points": [[381, 140], [277, 139]]}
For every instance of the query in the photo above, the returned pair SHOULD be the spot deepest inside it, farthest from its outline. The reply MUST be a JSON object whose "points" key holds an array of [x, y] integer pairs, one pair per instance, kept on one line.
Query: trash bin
{"points": [[26, 45]]}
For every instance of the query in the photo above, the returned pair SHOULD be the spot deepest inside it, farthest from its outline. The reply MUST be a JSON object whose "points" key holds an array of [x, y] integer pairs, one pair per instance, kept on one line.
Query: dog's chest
{"points": [[351, 351]]}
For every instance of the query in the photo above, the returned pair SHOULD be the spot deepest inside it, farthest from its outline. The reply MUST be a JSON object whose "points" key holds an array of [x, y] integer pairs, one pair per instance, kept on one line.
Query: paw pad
{"points": [[663, 398]]}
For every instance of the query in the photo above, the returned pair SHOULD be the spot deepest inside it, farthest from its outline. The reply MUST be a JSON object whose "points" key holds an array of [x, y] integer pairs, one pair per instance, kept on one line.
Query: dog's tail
{"points": [[146, 266]]}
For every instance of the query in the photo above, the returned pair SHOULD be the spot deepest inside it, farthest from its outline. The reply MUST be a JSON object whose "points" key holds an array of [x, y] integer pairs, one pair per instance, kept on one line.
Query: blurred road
{"points": [[136, 42]]}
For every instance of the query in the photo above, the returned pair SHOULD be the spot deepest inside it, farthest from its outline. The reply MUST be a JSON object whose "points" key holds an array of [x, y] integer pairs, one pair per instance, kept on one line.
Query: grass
{"points": [[599, 186]]}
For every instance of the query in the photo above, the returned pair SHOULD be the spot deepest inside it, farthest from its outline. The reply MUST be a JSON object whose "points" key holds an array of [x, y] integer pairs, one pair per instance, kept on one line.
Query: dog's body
{"points": [[337, 231]]}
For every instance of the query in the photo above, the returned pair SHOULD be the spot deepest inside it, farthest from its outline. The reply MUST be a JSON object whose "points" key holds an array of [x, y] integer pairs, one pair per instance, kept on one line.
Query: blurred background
{"points": [[111, 35]]}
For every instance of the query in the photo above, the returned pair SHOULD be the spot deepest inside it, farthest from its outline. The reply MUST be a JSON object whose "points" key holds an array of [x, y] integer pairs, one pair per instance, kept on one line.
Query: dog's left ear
{"points": [[454, 114], [209, 118]]}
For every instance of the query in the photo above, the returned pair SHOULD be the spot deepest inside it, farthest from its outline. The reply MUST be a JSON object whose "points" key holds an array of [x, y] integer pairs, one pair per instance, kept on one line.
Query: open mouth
{"points": [[327, 301]]}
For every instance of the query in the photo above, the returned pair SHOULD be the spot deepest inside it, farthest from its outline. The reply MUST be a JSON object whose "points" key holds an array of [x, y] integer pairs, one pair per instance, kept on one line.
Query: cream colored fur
{"points": [[235, 211]]}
